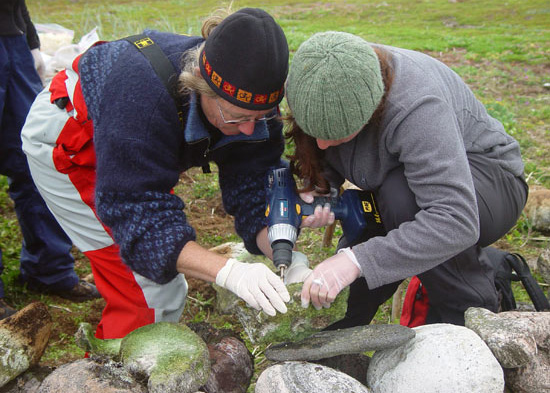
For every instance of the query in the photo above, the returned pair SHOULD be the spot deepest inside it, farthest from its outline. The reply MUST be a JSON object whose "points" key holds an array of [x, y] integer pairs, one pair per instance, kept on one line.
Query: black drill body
{"points": [[356, 210]]}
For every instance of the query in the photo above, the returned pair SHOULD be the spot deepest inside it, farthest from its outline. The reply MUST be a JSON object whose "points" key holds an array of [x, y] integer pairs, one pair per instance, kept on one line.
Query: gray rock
{"points": [[521, 343], [85, 375], [343, 341], [441, 358], [23, 340], [29, 381], [537, 209], [543, 266], [302, 377], [532, 378], [510, 339]]}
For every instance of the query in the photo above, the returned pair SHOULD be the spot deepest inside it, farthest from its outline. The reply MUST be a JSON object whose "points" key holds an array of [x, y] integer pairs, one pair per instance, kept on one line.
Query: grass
{"points": [[500, 48]]}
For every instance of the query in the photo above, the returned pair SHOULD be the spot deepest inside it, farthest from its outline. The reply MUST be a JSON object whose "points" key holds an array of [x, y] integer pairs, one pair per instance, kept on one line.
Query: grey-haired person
{"points": [[106, 146], [447, 178]]}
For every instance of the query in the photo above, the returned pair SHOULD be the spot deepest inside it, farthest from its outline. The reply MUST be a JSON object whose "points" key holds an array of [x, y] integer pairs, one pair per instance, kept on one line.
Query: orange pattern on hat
{"points": [[244, 96], [230, 89], [216, 79], [273, 96]]}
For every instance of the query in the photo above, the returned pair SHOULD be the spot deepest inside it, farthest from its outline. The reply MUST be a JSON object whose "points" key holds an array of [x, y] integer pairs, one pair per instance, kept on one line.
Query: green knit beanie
{"points": [[334, 85]]}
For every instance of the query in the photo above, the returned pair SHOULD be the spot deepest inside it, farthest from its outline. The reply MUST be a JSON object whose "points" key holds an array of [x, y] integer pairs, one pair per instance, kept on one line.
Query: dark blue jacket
{"points": [[15, 20], [141, 150]]}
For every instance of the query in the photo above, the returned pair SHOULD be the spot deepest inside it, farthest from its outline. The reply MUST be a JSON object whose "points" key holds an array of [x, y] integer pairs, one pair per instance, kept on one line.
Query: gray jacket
{"points": [[431, 121]]}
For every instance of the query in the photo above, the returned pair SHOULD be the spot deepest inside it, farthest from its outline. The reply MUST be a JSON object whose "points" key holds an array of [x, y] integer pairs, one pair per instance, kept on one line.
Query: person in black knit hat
{"points": [[113, 193]]}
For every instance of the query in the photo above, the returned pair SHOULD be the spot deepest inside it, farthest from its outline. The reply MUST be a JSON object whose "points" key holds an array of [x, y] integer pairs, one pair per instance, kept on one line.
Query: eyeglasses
{"points": [[243, 121]]}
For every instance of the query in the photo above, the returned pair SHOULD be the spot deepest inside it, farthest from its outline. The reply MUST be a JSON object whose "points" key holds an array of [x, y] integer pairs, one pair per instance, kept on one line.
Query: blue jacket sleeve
{"points": [[150, 228]]}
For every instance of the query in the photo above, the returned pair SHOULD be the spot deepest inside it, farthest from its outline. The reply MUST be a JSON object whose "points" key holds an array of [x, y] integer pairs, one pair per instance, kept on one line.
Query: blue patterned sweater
{"points": [[141, 150]]}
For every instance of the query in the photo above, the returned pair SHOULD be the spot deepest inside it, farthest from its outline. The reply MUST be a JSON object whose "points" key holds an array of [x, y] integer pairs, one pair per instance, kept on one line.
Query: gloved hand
{"points": [[39, 64], [327, 280], [321, 217], [298, 270], [258, 286]]}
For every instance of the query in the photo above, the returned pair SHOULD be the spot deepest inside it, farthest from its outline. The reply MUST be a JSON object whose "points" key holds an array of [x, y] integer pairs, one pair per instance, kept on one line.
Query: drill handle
{"points": [[336, 206]]}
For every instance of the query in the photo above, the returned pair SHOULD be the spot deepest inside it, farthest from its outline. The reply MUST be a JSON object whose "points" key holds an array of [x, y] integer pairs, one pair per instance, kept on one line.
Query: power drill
{"points": [[356, 210]]}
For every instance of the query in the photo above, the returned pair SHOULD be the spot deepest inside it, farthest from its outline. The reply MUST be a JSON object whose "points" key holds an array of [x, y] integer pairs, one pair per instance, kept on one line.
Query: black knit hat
{"points": [[245, 60]]}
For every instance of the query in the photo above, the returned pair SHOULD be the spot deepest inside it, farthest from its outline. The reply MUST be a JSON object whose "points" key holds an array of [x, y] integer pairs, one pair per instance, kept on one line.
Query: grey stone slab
{"points": [[330, 343]]}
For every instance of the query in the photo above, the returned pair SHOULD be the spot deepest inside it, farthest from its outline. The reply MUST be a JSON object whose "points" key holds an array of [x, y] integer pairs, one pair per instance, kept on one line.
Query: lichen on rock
{"points": [[296, 324], [23, 340], [169, 356]]}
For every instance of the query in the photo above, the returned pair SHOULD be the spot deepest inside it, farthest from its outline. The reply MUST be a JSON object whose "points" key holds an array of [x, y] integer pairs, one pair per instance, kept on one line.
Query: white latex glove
{"points": [[327, 280], [39, 64], [321, 217], [298, 270], [258, 286]]}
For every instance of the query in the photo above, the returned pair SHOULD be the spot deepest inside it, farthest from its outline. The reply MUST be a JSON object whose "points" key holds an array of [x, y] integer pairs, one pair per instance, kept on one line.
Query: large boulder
{"points": [[296, 324], [170, 356], [23, 340], [440, 358], [521, 343]]}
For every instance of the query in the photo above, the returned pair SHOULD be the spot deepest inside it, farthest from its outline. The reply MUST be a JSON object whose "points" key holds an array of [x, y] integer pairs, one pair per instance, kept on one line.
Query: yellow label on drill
{"points": [[367, 207]]}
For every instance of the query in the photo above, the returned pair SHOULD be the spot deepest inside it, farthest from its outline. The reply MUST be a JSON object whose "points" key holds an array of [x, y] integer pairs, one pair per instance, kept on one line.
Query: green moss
{"points": [[86, 341], [296, 324], [170, 354]]}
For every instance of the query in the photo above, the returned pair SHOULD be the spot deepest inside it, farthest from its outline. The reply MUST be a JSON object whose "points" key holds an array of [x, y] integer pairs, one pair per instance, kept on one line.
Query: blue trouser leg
{"points": [[45, 255]]}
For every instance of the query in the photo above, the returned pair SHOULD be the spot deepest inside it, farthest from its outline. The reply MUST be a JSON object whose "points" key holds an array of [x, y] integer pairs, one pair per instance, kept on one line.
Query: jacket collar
{"points": [[195, 129]]}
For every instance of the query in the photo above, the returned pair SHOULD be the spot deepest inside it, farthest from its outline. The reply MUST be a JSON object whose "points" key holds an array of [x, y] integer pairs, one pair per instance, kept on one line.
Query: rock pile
{"points": [[492, 351]]}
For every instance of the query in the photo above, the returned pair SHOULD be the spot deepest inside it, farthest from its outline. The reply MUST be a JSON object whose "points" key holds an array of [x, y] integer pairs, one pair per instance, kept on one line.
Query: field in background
{"points": [[500, 48]]}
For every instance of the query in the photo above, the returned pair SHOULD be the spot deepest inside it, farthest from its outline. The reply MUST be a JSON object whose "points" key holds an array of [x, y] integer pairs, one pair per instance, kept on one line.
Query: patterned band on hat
{"points": [[236, 92]]}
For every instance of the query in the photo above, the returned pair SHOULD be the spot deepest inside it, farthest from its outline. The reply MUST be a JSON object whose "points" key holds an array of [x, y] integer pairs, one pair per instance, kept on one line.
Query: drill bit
{"points": [[282, 269]]}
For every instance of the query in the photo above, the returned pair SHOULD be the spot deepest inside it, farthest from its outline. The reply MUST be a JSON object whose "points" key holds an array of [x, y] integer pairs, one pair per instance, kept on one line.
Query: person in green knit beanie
{"points": [[447, 179]]}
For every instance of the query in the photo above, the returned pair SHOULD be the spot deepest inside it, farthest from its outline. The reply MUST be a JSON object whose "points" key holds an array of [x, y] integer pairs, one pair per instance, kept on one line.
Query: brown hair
{"points": [[306, 162]]}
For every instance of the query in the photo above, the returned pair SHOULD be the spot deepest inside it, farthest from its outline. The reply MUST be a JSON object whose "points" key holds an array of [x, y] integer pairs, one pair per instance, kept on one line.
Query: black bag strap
{"points": [[521, 268], [162, 66]]}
